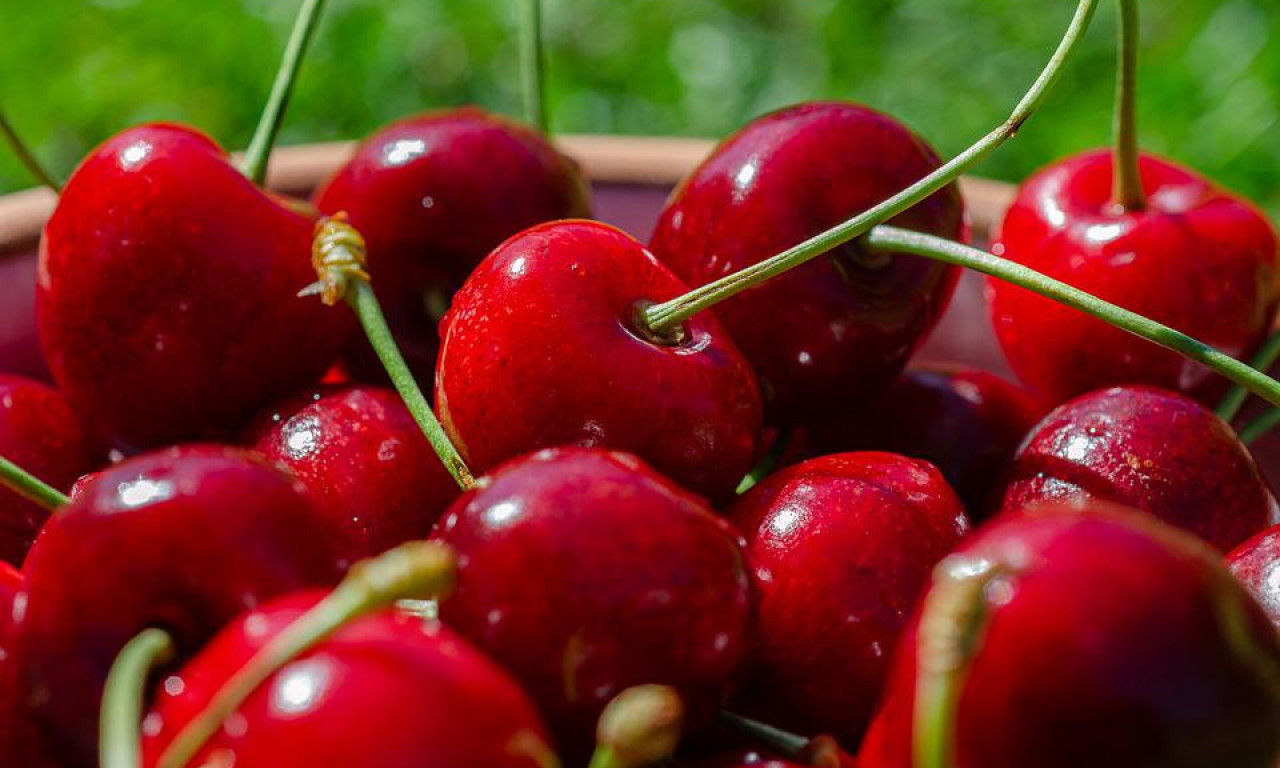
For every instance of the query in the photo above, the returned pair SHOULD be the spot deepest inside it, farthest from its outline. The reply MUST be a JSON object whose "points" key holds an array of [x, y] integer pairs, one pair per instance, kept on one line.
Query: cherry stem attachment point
{"points": [[1127, 188], [1266, 357], [417, 570], [264, 137], [940, 249], [662, 317], [640, 727], [532, 64], [26, 157], [124, 696], [30, 487]]}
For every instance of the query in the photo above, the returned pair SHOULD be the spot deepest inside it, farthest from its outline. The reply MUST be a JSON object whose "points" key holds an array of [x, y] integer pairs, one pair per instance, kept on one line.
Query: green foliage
{"points": [[72, 72]]}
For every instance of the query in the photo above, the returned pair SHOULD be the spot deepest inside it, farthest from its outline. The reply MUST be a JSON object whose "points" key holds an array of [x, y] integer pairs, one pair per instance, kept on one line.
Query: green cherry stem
{"points": [[906, 241], [768, 463], [26, 157], [664, 317], [30, 487], [640, 727], [124, 695], [1254, 430], [532, 64], [264, 137], [1127, 187], [820, 751], [1234, 400]]}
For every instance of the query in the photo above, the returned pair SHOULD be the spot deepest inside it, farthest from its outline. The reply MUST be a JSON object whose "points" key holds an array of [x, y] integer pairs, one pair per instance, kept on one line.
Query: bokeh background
{"points": [[73, 72]]}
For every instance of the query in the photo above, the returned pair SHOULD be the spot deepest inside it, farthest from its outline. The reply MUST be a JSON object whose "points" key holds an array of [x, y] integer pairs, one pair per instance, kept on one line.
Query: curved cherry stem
{"points": [[1127, 187], [124, 696], [1235, 399], [1259, 427], [26, 157], [30, 487], [416, 570], [663, 317], [532, 64], [264, 137], [939, 249], [639, 727]]}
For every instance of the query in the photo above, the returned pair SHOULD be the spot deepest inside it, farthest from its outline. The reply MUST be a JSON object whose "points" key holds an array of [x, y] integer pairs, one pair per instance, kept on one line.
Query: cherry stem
{"points": [[30, 487], [640, 727], [669, 314], [264, 137], [417, 570], [768, 463], [1256, 429], [532, 64], [1266, 357], [124, 696], [939, 249], [789, 744], [1127, 187], [26, 157]]}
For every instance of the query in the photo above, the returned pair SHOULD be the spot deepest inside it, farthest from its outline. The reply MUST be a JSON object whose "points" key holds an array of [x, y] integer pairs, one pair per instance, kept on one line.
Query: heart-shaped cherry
{"points": [[1256, 563], [359, 449], [839, 327], [1150, 449], [433, 194], [543, 347], [584, 572], [167, 290]]}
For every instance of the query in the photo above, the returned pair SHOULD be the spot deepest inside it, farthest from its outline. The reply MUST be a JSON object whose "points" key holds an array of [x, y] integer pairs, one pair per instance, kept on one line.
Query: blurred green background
{"points": [[72, 73]]}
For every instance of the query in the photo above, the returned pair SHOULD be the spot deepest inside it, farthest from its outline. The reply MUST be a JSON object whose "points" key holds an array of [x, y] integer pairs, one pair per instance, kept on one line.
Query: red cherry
{"points": [[540, 349], [433, 194], [1114, 640], [1196, 258], [842, 548], [1150, 449], [1256, 563], [360, 450], [840, 327], [39, 433], [19, 745], [184, 539], [166, 298], [584, 572], [387, 690]]}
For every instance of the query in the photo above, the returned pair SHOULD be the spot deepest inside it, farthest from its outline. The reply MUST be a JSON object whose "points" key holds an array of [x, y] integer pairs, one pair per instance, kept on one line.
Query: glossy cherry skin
{"points": [[166, 302], [1115, 642], [360, 450], [1256, 563], [40, 433], [1150, 449], [584, 572], [540, 350], [19, 745], [186, 539], [387, 690], [843, 325], [1197, 258], [842, 547], [433, 194], [966, 422]]}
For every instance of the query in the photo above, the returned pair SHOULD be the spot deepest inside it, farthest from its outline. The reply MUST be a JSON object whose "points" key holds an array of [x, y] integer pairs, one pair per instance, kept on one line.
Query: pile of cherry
{"points": [[720, 535]]}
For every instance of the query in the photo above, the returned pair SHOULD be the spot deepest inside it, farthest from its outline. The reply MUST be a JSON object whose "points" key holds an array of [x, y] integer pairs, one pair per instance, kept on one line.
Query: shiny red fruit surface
{"points": [[1256, 563]]}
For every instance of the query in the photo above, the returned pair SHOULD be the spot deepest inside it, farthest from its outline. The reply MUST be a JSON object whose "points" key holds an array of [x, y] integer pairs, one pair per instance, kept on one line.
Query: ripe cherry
{"points": [[1256, 563]]}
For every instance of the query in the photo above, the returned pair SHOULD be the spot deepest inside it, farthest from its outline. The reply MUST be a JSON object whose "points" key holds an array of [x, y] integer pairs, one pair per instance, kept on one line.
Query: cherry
{"points": [[40, 433], [840, 327], [584, 572], [1102, 638], [361, 451], [1151, 449], [842, 547], [433, 194], [184, 539], [542, 348], [1256, 563], [166, 298]]}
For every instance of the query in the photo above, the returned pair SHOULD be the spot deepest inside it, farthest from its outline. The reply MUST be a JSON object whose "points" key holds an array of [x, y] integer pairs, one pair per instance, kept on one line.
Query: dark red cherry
{"points": [[433, 194], [184, 539], [966, 422], [19, 745], [1196, 258], [361, 451], [1112, 640], [387, 690], [167, 290], [39, 433], [584, 572], [1150, 449], [1256, 563], [842, 326], [542, 349], [842, 547]]}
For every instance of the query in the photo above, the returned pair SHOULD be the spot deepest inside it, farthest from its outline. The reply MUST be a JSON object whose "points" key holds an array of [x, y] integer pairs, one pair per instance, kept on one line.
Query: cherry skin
{"points": [[166, 301], [1115, 641], [185, 539], [540, 349], [842, 547], [1256, 563], [386, 690], [1150, 449], [842, 326], [19, 745], [966, 422], [584, 572], [40, 433], [433, 194], [754, 758], [360, 450], [1197, 259]]}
